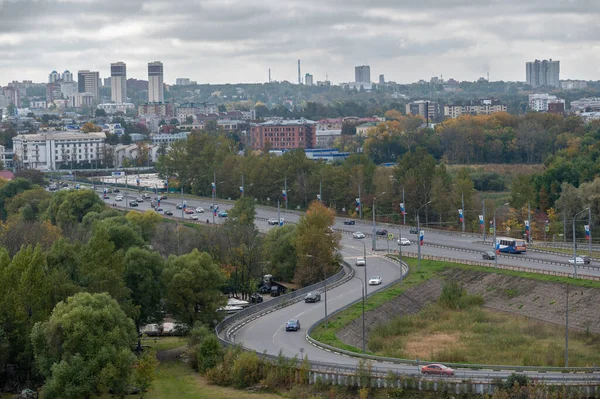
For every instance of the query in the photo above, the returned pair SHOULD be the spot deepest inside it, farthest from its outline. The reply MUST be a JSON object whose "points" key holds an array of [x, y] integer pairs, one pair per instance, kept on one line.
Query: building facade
{"points": [[308, 79], [540, 102], [118, 82], [430, 110], [156, 89], [475, 107], [87, 82], [55, 149], [362, 74], [163, 110], [573, 84], [587, 104], [283, 134], [543, 73]]}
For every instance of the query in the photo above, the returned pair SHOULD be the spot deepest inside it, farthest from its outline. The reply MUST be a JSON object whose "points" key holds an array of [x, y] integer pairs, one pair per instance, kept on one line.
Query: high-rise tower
{"points": [[118, 82], [156, 92]]}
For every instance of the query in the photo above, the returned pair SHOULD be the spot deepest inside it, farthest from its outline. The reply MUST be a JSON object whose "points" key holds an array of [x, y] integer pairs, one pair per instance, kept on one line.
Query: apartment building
{"points": [[475, 107], [284, 134]]}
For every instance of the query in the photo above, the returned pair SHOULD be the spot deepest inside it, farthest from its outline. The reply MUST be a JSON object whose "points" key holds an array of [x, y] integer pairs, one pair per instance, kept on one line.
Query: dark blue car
{"points": [[292, 325]]}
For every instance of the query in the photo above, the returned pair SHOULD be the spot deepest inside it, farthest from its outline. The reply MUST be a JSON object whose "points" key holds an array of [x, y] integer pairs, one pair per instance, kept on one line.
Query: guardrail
{"points": [[417, 362]]}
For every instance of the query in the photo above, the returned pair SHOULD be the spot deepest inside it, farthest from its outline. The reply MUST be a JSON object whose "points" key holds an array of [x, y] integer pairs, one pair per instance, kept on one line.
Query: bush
{"points": [[454, 296], [195, 339], [246, 370], [209, 354], [521, 379], [221, 374]]}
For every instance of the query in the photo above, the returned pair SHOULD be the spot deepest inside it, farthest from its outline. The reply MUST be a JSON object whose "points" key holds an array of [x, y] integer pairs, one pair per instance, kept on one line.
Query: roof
{"points": [[7, 175], [60, 135], [368, 124], [288, 122]]}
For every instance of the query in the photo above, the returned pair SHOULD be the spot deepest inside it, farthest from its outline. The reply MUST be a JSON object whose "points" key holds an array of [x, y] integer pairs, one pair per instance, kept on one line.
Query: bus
{"points": [[510, 245]]}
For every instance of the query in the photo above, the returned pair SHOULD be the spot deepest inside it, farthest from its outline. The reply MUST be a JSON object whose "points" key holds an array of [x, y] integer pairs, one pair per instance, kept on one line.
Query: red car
{"points": [[189, 211], [439, 369]]}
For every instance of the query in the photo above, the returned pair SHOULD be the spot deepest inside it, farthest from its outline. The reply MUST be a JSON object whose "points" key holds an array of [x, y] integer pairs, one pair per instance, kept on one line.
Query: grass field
{"points": [[164, 343], [430, 268], [481, 336]]}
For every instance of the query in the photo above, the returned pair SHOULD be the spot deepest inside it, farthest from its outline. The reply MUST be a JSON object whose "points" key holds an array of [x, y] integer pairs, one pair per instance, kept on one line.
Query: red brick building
{"points": [[284, 134]]}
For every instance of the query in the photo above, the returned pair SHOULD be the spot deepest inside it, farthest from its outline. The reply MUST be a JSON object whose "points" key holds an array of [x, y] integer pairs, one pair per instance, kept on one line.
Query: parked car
{"points": [[439, 369], [223, 214], [350, 222], [194, 217], [403, 241], [292, 325], [312, 297], [199, 210], [358, 235], [168, 212], [256, 298], [133, 203], [489, 255], [381, 232], [375, 280], [360, 262], [275, 290], [413, 230], [273, 222]]}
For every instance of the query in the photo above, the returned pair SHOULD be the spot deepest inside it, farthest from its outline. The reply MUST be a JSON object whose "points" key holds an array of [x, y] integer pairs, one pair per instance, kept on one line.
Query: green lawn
{"points": [[163, 343], [176, 380], [429, 268]]}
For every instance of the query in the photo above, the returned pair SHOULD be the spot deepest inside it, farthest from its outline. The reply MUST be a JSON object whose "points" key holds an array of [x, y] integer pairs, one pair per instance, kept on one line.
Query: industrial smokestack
{"points": [[269, 75], [299, 78]]}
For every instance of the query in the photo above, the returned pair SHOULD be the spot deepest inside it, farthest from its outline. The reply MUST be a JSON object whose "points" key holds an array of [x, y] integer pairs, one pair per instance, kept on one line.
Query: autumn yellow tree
{"points": [[316, 245]]}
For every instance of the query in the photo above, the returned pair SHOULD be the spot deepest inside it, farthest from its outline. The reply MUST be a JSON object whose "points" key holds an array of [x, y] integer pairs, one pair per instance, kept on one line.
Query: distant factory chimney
{"points": [[269, 75], [299, 77]]}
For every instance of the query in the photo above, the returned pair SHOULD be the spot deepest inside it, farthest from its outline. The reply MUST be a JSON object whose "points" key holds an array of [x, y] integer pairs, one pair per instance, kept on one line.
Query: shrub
{"points": [[246, 370], [209, 353], [221, 374], [195, 338], [521, 379], [454, 296]]}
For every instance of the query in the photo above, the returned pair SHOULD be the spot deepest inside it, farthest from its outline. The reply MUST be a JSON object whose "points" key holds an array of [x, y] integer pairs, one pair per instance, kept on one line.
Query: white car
{"points": [[376, 280], [578, 261], [360, 262], [194, 217], [272, 222], [199, 210], [403, 241], [119, 198], [358, 235]]}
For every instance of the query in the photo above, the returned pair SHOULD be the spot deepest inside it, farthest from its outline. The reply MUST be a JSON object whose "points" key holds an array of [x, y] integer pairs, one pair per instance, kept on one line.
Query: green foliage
{"points": [[280, 251], [145, 372], [210, 353], [222, 374], [87, 340], [516, 379], [11, 189], [455, 297], [191, 282], [69, 207], [246, 370], [243, 211]]}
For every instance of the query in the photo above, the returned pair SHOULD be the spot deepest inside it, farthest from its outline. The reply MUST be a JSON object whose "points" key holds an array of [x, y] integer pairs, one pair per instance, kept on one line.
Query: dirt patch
{"points": [[169, 355], [421, 348]]}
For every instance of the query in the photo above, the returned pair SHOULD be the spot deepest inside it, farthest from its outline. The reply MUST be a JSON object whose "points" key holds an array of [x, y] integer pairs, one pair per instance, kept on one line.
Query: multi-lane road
{"points": [[267, 333]]}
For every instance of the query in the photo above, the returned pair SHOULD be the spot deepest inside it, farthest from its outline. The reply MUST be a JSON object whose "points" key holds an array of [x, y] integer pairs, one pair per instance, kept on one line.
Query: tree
{"points": [[145, 372], [89, 127], [88, 336], [280, 251], [146, 221], [244, 211], [316, 245], [33, 175], [143, 270], [100, 113], [522, 191], [69, 207], [191, 283]]}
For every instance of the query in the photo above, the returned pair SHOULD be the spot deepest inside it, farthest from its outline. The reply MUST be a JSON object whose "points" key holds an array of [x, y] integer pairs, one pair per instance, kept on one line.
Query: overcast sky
{"points": [[231, 41]]}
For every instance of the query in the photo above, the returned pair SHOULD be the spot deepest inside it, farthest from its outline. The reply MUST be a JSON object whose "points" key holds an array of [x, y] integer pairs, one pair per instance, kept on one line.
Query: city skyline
{"points": [[237, 42]]}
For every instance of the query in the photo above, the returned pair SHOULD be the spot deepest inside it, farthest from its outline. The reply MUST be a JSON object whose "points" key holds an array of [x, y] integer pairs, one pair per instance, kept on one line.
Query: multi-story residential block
{"points": [[118, 82], [540, 102], [52, 149], [164, 110], [573, 84], [88, 82], [156, 89], [430, 110], [543, 73], [183, 82], [168, 138], [112, 108], [362, 74], [475, 107], [308, 79], [586, 104], [283, 134]]}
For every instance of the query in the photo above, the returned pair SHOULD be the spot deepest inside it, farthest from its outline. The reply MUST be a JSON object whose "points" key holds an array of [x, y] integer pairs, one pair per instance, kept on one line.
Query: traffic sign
{"points": [[390, 236]]}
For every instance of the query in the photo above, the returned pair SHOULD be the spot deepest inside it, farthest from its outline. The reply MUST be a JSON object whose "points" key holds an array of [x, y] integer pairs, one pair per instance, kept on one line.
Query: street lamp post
{"points": [[575, 244], [375, 235], [494, 242], [364, 346], [419, 236], [278, 207], [365, 257]]}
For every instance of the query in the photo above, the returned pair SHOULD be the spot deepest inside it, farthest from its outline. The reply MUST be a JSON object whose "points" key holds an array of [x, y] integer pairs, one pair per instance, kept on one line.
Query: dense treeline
{"points": [[74, 272]]}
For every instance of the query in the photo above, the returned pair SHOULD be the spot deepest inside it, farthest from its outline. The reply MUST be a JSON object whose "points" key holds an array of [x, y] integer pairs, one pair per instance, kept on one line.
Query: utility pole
{"points": [[359, 203], [404, 215], [214, 194], [529, 223], [590, 231], [463, 211], [285, 188], [321, 190], [567, 330], [483, 213], [565, 226]]}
